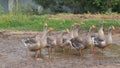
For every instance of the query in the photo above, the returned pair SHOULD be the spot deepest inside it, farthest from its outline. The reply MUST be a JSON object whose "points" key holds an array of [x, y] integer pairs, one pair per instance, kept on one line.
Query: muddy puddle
{"points": [[13, 55]]}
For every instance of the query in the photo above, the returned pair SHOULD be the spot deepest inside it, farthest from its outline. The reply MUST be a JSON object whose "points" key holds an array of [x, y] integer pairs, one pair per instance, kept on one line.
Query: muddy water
{"points": [[13, 55]]}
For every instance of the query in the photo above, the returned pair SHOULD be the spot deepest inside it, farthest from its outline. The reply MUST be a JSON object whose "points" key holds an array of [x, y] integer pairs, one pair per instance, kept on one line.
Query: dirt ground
{"points": [[13, 54], [84, 16]]}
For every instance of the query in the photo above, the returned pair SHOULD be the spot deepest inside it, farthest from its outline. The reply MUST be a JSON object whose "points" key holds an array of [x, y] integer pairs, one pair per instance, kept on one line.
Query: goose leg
{"points": [[91, 46], [94, 52], [69, 50], [40, 51], [28, 53], [63, 50], [102, 53], [49, 52], [80, 54], [35, 54]]}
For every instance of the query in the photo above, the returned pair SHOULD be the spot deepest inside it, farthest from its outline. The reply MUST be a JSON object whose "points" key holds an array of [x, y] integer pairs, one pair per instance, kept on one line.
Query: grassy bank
{"points": [[34, 22]]}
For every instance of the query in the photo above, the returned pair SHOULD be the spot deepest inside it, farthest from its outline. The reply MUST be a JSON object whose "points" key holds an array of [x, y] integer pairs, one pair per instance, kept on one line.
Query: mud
{"points": [[13, 54]]}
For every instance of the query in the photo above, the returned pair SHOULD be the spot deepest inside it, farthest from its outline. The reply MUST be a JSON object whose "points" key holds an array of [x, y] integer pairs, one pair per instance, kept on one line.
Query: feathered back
{"points": [[77, 44]]}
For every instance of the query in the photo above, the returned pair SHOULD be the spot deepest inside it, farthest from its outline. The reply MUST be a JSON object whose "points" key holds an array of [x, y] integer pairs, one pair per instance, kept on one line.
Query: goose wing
{"points": [[50, 41], [98, 42], [76, 43], [28, 41]]}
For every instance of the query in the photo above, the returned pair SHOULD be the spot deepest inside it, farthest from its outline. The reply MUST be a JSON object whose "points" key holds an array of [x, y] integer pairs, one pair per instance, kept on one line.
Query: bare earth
{"points": [[13, 54], [84, 16]]}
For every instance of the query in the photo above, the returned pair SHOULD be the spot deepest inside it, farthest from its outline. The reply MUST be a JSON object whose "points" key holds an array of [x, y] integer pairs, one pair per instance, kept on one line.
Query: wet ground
{"points": [[13, 54]]}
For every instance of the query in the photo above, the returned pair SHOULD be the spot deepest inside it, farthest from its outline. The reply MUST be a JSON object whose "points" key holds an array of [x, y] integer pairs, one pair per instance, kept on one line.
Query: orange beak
{"points": [[75, 24], [103, 22], [93, 26], [82, 23], [67, 30], [51, 29], [113, 28], [45, 24]]}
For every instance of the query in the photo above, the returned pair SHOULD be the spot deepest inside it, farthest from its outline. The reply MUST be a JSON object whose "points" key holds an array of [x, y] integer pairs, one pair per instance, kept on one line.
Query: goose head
{"points": [[112, 28], [45, 25], [77, 25], [76, 29], [67, 31], [102, 23], [93, 26], [51, 29], [109, 38], [60, 36]]}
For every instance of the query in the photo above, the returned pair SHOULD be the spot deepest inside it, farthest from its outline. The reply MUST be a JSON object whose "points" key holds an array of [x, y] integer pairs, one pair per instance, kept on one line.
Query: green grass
{"points": [[35, 23]]}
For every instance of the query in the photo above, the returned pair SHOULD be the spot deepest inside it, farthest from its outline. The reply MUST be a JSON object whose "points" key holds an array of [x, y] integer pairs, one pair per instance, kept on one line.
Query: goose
{"points": [[72, 34], [35, 44], [102, 44], [55, 41], [78, 44], [73, 31], [101, 34], [31, 45], [87, 40], [59, 38]]}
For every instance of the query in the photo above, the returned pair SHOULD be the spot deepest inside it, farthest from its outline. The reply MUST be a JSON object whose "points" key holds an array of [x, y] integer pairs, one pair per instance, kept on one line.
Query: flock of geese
{"points": [[69, 37]]}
